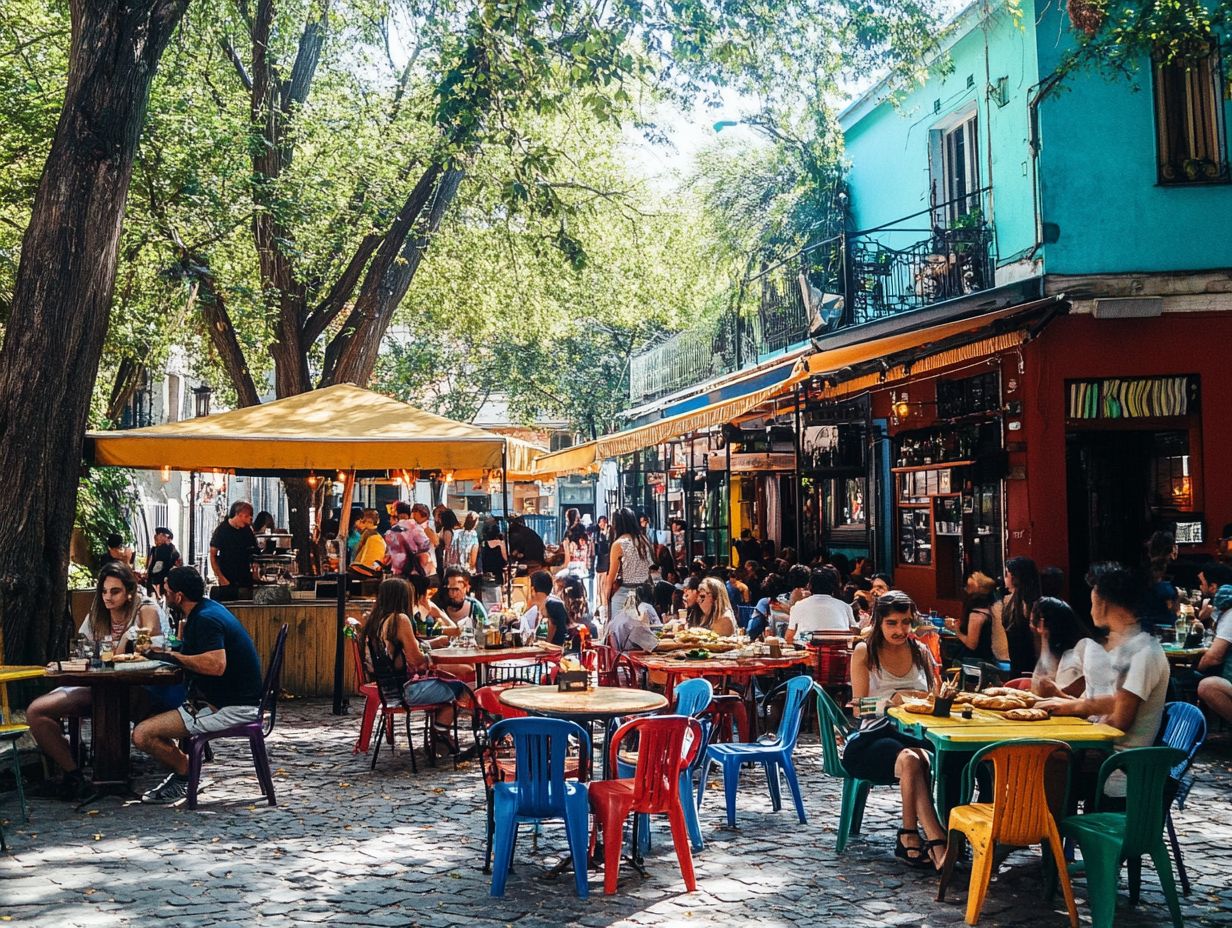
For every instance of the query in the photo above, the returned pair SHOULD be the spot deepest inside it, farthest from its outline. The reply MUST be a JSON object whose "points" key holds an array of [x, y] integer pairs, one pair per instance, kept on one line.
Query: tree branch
{"points": [[221, 331], [311, 40], [329, 308], [235, 60]]}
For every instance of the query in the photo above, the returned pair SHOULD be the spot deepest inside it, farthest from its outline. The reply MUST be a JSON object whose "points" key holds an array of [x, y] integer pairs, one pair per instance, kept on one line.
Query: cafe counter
{"points": [[308, 664]]}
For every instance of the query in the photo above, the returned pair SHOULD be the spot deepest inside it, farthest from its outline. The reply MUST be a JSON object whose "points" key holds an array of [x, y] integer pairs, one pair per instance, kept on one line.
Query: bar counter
{"points": [[308, 665]]}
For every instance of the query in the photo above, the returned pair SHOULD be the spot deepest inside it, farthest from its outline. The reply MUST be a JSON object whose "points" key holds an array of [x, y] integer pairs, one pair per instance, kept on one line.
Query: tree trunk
{"points": [[61, 303], [300, 501]]}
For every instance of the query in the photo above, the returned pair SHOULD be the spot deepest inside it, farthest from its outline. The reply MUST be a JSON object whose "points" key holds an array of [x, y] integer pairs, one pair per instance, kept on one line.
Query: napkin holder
{"points": [[573, 681], [942, 707]]}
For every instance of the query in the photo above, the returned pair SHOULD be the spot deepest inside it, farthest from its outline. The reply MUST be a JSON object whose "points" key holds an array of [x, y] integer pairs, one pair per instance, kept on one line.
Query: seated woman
{"points": [[975, 629], [1063, 644], [119, 612], [432, 626], [394, 657], [630, 631], [573, 595], [714, 610], [889, 662]]}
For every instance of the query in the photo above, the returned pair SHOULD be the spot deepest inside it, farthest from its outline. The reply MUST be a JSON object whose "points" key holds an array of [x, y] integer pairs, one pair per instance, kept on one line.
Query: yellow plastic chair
{"points": [[1018, 816]]}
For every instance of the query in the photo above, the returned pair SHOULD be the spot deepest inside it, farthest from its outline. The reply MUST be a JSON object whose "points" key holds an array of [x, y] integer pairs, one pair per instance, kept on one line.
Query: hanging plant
{"points": [[1086, 15]]}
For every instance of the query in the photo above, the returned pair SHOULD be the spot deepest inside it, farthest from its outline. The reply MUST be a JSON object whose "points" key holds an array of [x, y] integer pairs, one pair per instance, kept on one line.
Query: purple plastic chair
{"points": [[255, 731]]}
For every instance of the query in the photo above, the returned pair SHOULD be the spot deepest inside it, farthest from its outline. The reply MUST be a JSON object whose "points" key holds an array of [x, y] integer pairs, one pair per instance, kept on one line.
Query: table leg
{"points": [[110, 736]]}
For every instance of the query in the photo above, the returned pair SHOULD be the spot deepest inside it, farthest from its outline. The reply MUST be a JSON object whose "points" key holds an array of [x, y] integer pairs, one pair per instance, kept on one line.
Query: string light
{"points": [[165, 474]]}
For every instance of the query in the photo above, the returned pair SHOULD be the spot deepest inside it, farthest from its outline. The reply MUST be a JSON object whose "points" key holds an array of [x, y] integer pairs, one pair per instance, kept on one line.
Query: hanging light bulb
{"points": [[312, 480], [342, 476], [448, 476], [165, 473]]}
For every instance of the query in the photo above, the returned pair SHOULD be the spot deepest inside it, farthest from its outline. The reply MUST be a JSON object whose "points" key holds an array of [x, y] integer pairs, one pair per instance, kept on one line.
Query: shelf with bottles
{"points": [[948, 516], [948, 446]]}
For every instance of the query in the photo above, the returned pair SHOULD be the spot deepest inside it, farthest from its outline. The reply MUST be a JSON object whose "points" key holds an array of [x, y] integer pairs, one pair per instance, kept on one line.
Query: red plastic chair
{"points": [[1022, 683], [367, 689], [729, 719], [654, 788]]}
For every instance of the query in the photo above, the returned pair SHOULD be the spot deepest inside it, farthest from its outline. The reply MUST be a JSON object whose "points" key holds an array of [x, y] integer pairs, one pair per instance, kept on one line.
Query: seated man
{"points": [[455, 599], [224, 681], [1216, 690], [821, 611], [1127, 679]]}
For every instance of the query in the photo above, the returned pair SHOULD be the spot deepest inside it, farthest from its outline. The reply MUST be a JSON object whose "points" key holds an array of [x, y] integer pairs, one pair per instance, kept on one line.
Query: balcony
{"points": [[844, 281]]}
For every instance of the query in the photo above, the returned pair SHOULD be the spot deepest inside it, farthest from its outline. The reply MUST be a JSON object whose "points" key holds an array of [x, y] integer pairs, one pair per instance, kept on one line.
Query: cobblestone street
{"points": [[346, 846]]}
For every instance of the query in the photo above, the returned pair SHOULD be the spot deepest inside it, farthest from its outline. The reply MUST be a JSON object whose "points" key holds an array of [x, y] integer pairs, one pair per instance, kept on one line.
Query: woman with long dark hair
{"points": [[1022, 581], [119, 612], [1064, 640], [394, 656], [975, 629], [631, 559], [601, 542], [887, 664]]}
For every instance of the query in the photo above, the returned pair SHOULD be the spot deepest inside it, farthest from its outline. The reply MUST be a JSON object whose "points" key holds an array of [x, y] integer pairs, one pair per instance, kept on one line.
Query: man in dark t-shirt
{"points": [[232, 547], [224, 681], [163, 556]]}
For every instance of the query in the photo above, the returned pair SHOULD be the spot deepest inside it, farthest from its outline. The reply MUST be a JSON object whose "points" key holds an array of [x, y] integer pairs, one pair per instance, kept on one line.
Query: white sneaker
{"points": [[172, 789]]}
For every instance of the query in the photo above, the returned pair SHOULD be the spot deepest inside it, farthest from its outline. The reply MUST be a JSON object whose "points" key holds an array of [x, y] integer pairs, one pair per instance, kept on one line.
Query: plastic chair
{"points": [[663, 756], [744, 614], [255, 731], [1183, 728], [539, 793], [774, 756], [729, 719], [1018, 816], [834, 724], [692, 699], [1107, 839], [1021, 683], [368, 689]]}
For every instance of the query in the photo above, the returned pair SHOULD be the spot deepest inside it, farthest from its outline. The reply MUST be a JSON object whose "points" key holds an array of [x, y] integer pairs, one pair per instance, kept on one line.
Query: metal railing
{"points": [[847, 280]]}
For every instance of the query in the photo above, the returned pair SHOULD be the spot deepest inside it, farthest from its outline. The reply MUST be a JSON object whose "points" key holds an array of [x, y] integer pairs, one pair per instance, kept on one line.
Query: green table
{"points": [[956, 735]]}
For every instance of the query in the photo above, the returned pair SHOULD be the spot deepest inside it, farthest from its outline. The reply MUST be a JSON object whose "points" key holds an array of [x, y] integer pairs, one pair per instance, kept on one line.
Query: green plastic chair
{"points": [[1108, 839], [834, 722]]}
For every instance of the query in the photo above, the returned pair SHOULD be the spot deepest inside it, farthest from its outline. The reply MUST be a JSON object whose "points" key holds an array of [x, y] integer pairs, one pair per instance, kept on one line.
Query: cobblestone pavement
{"points": [[346, 846]]}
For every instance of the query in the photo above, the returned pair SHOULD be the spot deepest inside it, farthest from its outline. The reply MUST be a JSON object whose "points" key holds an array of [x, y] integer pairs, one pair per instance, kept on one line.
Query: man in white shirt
{"points": [[1138, 664], [821, 611]]}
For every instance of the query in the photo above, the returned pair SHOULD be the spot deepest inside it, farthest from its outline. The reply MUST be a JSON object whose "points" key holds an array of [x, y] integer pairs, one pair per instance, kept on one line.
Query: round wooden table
{"points": [[110, 715], [600, 704], [482, 657]]}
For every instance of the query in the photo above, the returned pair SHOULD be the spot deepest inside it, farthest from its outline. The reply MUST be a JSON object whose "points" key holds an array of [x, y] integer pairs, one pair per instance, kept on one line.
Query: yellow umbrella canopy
{"points": [[341, 427]]}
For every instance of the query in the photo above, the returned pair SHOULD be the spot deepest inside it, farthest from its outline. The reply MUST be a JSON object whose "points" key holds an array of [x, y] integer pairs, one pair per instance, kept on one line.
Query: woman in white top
{"points": [[119, 612], [1063, 645], [882, 667], [630, 561]]}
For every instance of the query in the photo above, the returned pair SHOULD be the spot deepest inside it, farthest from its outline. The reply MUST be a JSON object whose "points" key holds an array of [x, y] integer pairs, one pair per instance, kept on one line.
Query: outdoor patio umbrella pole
{"points": [[505, 497], [340, 703]]}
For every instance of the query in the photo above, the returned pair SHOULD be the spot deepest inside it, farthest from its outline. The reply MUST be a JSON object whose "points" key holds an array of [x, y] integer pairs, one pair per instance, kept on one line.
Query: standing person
{"points": [[821, 610], [888, 663], [976, 628], [409, 547], [576, 547], [224, 681], [464, 545], [163, 556], [1134, 702], [525, 545], [631, 559], [463, 609], [493, 561], [680, 555], [449, 528], [714, 608], [117, 552], [1021, 647], [371, 554], [577, 608], [118, 611], [232, 547], [602, 544]]}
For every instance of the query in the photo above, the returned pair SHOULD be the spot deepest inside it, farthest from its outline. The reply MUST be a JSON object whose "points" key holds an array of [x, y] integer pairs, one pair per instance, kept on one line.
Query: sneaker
{"points": [[170, 790]]}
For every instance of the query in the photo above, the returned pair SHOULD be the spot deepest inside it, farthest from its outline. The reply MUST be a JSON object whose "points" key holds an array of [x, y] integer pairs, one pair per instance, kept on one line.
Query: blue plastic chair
{"points": [[693, 698], [1183, 728], [774, 756], [539, 792], [744, 614]]}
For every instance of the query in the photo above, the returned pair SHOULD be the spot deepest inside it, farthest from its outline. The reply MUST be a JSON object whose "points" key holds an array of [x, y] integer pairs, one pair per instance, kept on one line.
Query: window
{"points": [[954, 168], [1189, 127]]}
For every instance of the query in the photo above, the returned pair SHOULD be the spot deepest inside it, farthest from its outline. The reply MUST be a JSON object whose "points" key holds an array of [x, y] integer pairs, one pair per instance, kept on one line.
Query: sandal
{"points": [[927, 850], [915, 855]]}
